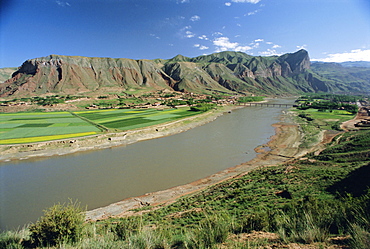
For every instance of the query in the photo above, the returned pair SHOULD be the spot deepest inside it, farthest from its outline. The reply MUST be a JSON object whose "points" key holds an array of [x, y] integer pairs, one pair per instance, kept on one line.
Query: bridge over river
{"points": [[268, 105]]}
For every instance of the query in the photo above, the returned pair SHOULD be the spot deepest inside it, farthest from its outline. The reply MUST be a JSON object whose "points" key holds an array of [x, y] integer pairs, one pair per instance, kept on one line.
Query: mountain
{"points": [[227, 72], [6, 73], [356, 64], [356, 78]]}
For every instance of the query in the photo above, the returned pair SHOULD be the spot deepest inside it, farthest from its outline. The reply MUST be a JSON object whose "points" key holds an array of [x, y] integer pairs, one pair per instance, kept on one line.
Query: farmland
{"points": [[126, 119], [38, 127], [18, 128]]}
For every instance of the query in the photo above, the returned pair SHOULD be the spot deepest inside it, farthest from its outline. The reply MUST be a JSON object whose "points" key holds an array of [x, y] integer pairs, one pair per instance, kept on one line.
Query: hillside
{"points": [[357, 78], [6, 73], [228, 72]]}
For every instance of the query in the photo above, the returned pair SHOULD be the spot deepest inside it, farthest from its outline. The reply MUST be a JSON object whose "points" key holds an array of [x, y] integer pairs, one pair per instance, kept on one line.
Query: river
{"points": [[99, 178]]}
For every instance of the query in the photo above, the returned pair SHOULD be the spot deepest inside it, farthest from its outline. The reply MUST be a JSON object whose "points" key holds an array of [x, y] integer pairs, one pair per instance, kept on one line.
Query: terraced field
{"points": [[18, 128]]}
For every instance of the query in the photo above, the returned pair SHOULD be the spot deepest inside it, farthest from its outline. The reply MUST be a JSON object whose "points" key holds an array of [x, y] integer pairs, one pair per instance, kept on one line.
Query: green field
{"points": [[37, 127], [326, 119], [127, 119]]}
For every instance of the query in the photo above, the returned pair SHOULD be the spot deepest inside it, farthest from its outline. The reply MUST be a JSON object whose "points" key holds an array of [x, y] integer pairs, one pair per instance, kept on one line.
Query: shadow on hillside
{"points": [[356, 183]]}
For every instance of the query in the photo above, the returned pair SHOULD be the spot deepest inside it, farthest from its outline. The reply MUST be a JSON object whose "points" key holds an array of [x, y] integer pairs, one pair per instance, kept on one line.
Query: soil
{"points": [[350, 124]]}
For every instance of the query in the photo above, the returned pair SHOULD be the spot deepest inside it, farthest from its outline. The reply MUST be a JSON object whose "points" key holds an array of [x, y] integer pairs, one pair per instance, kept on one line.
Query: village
{"points": [[160, 99]]}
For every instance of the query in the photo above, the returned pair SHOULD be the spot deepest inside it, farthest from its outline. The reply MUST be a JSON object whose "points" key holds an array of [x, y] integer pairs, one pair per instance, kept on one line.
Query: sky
{"points": [[330, 30]]}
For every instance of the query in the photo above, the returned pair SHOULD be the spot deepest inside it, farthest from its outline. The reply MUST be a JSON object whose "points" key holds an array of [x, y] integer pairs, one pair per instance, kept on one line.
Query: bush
{"points": [[60, 223]]}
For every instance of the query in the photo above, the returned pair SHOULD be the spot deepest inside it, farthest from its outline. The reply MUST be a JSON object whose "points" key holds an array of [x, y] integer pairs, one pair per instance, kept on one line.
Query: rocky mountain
{"points": [[221, 72]]}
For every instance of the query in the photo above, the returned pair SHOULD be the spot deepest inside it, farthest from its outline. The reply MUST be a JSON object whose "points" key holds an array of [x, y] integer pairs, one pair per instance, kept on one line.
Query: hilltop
{"points": [[225, 72]]}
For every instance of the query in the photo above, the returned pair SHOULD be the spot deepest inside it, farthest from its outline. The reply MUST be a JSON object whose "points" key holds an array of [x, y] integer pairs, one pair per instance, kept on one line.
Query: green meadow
{"points": [[37, 127]]}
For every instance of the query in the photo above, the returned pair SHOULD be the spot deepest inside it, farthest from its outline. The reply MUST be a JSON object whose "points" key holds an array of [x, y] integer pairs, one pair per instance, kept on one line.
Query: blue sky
{"points": [[331, 30]]}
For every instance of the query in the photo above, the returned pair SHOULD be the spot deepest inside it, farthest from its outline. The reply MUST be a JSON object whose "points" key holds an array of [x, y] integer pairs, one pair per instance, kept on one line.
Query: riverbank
{"points": [[107, 140], [283, 146]]}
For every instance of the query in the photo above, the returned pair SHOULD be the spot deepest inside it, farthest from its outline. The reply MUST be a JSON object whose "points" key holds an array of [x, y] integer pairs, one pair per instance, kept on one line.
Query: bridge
{"points": [[268, 105]]}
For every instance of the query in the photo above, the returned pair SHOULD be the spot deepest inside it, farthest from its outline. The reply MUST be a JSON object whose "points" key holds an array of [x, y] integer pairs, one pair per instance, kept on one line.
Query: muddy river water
{"points": [[101, 177]]}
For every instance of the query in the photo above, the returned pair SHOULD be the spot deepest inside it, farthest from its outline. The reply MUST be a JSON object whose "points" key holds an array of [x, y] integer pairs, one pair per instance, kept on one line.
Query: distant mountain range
{"points": [[228, 72], [355, 63]]}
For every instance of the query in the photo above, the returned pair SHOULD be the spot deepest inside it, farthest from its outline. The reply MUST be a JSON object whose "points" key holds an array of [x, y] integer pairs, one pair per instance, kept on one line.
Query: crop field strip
{"points": [[132, 119], [37, 127]]}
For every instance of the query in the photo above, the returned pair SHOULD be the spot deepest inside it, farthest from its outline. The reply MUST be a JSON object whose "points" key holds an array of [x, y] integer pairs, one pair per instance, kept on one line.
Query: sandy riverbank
{"points": [[283, 146], [107, 140]]}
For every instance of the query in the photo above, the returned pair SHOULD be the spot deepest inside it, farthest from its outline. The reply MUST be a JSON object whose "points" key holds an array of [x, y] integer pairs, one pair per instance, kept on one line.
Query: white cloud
{"points": [[269, 43], [224, 44], [201, 47], [185, 32], [246, 1], [269, 52], [154, 35], [228, 4], [195, 18], [203, 37], [182, 1], [354, 55], [217, 34], [302, 47], [276, 46], [252, 13], [258, 40], [63, 3], [189, 34]]}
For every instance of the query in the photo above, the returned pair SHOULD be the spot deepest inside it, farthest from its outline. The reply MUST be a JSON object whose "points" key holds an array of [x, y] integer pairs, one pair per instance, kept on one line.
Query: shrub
{"points": [[60, 223]]}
